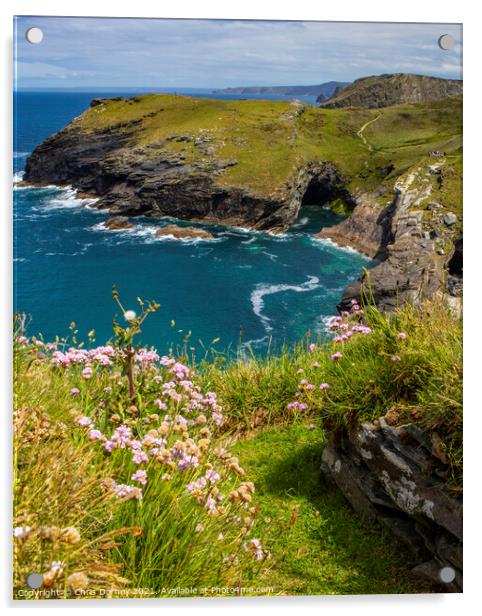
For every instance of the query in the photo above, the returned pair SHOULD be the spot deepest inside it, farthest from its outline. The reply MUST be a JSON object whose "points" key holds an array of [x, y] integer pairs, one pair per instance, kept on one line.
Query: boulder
{"points": [[450, 219], [184, 232], [395, 476], [115, 223]]}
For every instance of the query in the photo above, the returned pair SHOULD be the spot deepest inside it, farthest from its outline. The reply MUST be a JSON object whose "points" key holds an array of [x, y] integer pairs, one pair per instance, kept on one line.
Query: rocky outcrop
{"points": [[152, 181], [411, 267], [184, 233], [368, 229], [386, 90], [323, 91], [398, 477]]}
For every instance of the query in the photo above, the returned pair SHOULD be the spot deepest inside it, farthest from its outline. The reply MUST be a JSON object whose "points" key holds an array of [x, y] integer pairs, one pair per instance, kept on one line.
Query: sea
{"points": [[242, 291]]}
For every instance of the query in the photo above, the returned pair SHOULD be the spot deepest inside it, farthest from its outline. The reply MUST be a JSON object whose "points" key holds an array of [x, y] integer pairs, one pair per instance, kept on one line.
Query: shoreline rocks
{"points": [[117, 223]]}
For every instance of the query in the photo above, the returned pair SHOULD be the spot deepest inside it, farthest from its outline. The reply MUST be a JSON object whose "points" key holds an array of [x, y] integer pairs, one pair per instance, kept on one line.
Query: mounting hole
{"points": [[446, 42], [34, 35], [447, 575], [34, 580]]}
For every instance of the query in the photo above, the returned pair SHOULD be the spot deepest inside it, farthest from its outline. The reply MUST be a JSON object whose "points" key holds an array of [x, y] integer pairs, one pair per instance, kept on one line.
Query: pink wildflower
{"points": [[87, 372], [96, 435], [324, 386], [75, 391], [401, 335], [109, 446], [395, 358], [85, 421], [140, 476], [336, 356], [312, 347]]}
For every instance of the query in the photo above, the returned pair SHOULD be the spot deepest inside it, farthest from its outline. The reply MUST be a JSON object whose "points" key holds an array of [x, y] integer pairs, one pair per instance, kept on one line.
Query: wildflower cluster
{"points": [[345, 326], [176, 446]]}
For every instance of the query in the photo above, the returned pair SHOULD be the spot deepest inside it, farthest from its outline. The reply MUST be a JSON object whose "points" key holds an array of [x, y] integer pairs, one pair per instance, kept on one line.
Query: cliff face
{"points": [[153, 182], [407, 242], [386, 90]]}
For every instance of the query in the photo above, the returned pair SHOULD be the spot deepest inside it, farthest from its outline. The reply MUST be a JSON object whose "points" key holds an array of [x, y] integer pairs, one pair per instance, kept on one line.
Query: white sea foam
{"points": [[17, 177], [301, 223], [263, 289], [270, 255], [322, 324], [254, 343]]}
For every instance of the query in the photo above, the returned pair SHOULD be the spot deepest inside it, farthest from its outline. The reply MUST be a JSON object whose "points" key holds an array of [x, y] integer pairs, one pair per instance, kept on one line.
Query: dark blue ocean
{"points": [[241, 288]]}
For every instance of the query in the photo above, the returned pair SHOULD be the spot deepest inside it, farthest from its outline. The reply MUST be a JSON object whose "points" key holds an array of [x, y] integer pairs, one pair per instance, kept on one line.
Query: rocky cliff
{"points": [[385, 90], [323, 90], [417, 244]]}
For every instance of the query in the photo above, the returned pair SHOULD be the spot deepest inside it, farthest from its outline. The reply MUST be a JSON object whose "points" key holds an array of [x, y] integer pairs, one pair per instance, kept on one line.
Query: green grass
{"points": [[318, 545]]}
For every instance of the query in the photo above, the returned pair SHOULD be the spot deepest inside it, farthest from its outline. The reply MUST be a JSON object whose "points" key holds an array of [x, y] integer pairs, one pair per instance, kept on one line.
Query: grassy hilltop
{"points": [[269, 139]]}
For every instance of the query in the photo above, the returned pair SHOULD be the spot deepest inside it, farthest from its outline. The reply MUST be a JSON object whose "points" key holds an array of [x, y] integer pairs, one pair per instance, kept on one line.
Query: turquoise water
{"points": [[253, 288]]}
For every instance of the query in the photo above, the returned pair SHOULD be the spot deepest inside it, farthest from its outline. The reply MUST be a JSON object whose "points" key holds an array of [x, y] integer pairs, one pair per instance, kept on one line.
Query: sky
{"points": [[80, 52]]}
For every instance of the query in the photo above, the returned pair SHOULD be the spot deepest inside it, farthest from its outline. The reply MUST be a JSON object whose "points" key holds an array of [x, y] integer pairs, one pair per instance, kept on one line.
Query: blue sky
{"points": [[79, 52]]}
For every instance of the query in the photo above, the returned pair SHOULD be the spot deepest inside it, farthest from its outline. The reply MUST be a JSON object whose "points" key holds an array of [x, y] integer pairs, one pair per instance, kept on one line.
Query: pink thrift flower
{"points": [[139, 456], [401, 335], [87, 372], [75, 391], [140, 476], [109, 446], [336, 356], [85, 421], [96, 435], [315, 364], [324, 386], [312, 347], [212, 476], [395, 358]]}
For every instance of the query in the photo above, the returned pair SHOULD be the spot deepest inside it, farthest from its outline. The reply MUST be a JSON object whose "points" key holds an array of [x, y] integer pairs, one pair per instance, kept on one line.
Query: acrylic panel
{"points": [[238, 308]]}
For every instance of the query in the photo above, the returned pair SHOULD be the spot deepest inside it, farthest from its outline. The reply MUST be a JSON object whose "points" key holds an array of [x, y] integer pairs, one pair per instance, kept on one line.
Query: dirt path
{"points": [[362, 136]]}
